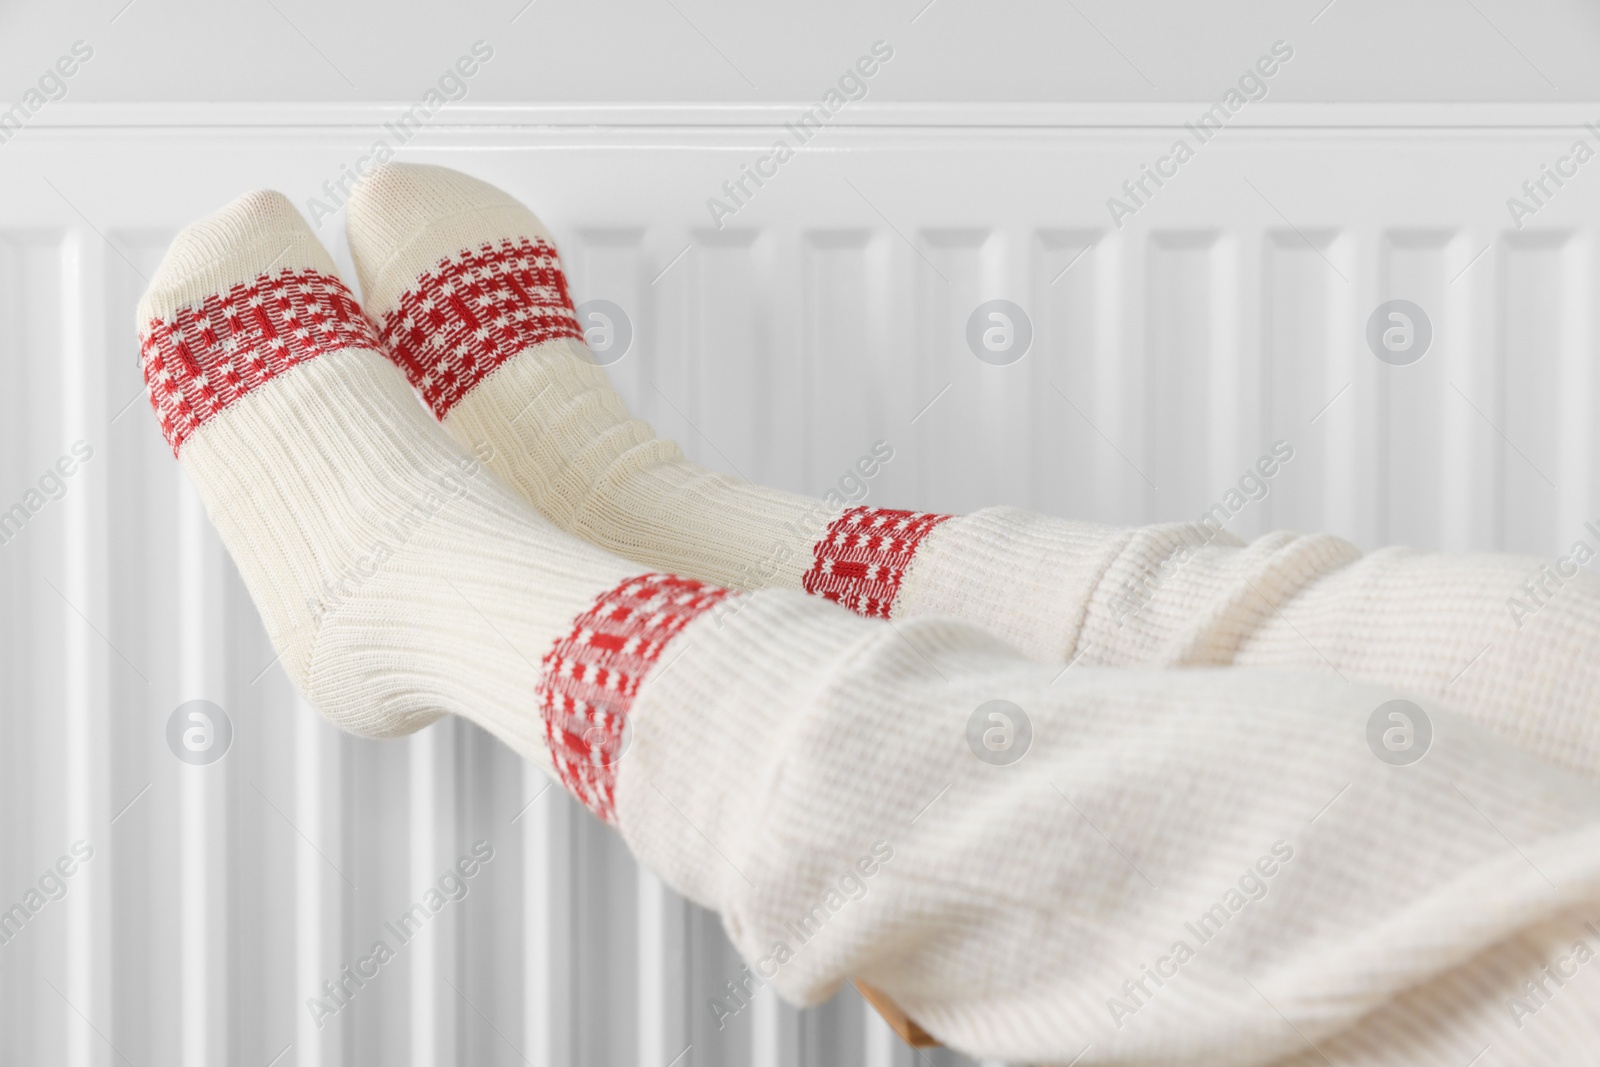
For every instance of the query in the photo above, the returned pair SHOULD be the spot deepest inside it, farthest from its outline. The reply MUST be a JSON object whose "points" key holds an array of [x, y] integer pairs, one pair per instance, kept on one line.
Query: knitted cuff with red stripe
{"points": [[591, 676], [861, 561], [204, 357], [473, 311]]}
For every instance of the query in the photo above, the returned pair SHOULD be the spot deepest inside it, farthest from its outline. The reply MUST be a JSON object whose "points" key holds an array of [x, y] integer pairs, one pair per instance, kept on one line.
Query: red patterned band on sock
{"points": [[473, 312], [206, 357], [592, 675], [862, 559]]}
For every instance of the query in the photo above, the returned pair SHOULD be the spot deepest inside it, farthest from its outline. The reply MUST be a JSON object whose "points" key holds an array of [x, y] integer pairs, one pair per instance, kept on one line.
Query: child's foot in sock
{"points": [[398, 579]]}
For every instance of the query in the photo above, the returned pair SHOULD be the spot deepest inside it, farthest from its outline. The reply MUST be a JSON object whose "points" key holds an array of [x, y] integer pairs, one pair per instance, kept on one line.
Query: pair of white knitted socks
{"points": [[763, 750]]}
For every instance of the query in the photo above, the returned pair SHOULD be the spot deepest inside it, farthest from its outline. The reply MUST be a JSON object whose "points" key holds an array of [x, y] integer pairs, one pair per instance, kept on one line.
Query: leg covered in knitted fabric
{"points": [[1210, 866]]}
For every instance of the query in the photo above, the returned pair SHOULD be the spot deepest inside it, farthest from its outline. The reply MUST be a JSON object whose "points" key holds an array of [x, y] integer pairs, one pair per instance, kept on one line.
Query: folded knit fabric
{"points": [[1200, 867]]}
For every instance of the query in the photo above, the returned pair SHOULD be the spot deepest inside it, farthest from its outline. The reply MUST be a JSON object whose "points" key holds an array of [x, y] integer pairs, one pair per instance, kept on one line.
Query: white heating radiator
{"points": [[1228, 312]]}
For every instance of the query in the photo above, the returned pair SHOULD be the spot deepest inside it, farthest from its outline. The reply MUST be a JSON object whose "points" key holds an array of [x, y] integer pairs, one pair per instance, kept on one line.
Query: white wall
{"points": [[723, 51]]}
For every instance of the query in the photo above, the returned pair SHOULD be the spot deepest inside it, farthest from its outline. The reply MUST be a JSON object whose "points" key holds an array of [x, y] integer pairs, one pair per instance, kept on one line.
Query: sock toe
{"points": [[259, 233], [405, 219], [460, 277], [241, 297]]}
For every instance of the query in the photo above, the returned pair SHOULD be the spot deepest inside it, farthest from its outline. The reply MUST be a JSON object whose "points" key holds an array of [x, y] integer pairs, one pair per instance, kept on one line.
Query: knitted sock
{"points": [[473, 304], [829, 784], [382, 556]]}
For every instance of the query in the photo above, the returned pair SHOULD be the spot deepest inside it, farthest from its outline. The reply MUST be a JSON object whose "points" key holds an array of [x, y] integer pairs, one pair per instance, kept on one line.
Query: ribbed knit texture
{"points": [[1445, 626], [1430, 624], [1019, 899], [398, 578], [1059, 590]]}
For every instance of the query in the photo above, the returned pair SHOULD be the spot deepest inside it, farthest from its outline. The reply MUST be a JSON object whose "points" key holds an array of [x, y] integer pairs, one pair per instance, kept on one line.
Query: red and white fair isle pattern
{"points": [[592, 675], [208, 356], [862, 559], [473, 312]]}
